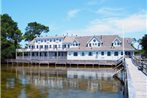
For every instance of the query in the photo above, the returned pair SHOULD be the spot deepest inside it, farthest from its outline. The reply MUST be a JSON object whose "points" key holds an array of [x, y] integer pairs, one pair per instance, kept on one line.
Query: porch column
{"points": [[30, 55], [47, 55], [57, 55], [23, 54]]}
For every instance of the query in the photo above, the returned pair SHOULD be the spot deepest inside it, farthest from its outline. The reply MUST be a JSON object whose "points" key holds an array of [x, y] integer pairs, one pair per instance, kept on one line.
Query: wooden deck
{"points": [[76, 62], [137, 81]]}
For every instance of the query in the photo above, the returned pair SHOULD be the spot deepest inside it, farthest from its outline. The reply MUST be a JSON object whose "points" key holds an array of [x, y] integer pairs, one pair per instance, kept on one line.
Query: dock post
{"points": [[12, 67], [7, 64], [48, 65]]}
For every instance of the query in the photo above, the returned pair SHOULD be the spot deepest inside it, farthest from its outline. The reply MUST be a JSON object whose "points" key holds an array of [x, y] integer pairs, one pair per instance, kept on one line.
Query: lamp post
{"points": [[123, 42]]}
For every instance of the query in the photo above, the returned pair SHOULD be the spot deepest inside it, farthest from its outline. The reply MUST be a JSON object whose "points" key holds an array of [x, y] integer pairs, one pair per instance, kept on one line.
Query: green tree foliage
{"points": [[144, 44], [10, 37], [34, 29]]}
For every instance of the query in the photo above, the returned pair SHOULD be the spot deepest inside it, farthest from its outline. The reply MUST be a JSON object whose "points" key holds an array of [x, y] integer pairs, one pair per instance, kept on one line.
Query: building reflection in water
{"points": [[86, 80]]}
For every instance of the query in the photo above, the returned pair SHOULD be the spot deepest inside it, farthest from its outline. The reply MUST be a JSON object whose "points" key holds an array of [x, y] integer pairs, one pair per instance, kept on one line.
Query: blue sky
{"points": [[81, 17]]}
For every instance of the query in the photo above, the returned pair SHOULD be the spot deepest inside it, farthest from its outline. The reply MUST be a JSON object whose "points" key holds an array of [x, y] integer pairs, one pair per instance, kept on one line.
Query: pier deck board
{"points": [[138, 81]]}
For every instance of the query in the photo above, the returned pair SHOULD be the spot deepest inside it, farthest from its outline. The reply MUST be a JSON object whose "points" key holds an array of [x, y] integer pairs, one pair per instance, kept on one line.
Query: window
{"points": [[94, 40], [36, 41], [41, 46], [98, 44], [90, 54], [36, 53], [59, 40], [115, 53], [46, 46], [50, 46], [37, 46], [45, 53], [58, 46], [33, 47], [108, 53], [45, 40], [55, 46], [75, 54], [50, 40], [83, 54], [41, 40], [33, 54], [54, 40], [63, 46], [102, 53], [121, 53], [90, 45], [68, 46]]}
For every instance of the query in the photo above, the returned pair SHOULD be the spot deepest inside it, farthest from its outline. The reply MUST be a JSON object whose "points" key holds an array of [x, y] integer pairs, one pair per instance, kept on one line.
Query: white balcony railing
{"points": [[43, 49]]}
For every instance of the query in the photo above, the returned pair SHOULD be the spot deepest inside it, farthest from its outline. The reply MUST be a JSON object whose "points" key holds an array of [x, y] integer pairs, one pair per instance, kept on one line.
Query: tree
{"points": [[34, 29], [10, 37], [144, 44]]}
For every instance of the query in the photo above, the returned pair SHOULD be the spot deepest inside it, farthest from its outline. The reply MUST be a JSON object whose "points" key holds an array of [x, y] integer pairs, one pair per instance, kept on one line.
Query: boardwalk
{"points": [[137, 81]]}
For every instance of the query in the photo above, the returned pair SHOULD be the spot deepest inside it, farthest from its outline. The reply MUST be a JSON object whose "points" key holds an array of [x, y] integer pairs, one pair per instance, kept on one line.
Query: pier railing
{"points": [[140, 63]]}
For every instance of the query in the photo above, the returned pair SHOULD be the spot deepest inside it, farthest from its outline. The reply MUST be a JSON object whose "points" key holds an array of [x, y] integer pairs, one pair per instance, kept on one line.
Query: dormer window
{"points": [[116, 42], [75, 43], [94, 42]]}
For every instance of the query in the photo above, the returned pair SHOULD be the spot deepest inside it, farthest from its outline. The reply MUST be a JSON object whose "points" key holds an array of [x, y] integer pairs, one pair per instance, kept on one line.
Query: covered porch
{"points": [[41, 55]]}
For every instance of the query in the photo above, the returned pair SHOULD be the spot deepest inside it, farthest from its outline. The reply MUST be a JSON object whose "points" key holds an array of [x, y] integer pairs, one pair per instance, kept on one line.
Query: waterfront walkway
{"points": [[137, 81]]}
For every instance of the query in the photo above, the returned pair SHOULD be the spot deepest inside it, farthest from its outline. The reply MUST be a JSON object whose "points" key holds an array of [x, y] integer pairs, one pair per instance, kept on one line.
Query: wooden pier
{"points": [[137, 81], [75, 62]]}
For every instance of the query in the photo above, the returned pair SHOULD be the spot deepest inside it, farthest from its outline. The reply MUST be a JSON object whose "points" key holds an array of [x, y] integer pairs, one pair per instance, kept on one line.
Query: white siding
{"points": [[95, 56]]}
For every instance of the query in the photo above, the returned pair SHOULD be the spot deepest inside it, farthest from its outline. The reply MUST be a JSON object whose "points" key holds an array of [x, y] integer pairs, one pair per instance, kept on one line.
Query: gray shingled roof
{"points": [[107, 42]]}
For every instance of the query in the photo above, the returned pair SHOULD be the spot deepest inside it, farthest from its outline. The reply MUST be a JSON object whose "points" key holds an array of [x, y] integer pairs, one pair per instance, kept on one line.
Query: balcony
{"points": [[42, 49]]}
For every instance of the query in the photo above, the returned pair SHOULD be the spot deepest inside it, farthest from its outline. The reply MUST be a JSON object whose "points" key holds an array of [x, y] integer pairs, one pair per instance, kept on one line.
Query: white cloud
{"points": [[72, 13], [105, 11], [133, 23]]}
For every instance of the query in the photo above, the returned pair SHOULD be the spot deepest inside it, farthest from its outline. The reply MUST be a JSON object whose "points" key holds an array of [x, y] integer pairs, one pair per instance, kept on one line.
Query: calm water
{"points": [[65, 84]]}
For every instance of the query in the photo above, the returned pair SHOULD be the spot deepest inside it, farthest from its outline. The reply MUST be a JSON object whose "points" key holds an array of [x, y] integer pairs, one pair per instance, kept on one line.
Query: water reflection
{"points": [[69, 83], [10, 83]]}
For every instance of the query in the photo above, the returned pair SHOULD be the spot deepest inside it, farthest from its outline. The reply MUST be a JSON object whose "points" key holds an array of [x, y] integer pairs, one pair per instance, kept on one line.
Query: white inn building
{"points": [[103, 47]]}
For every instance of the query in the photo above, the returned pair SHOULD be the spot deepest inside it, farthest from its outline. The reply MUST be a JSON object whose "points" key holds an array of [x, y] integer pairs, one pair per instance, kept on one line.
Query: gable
{"points": [[116, 40], [94, 40]]}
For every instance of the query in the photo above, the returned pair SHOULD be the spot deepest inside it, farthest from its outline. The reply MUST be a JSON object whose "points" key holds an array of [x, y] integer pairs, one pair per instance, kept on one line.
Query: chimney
{"points": [[101, 37]]}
